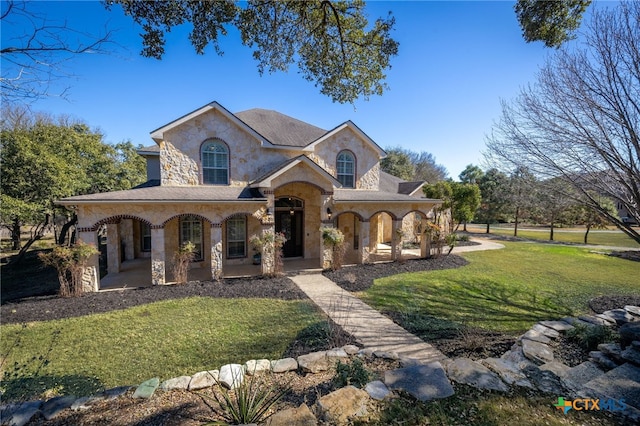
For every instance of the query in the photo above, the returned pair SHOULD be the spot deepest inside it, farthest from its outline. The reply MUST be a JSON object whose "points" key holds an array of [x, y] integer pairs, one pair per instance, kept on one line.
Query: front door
{"points": [[291, 226]]}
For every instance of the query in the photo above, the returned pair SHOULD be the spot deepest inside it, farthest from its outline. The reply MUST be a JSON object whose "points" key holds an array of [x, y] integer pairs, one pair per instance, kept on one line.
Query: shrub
{"points": [[250, 402], [334, 239], [354, 374], [70, 263], [181, 259], [270, 245], [590, 336]]}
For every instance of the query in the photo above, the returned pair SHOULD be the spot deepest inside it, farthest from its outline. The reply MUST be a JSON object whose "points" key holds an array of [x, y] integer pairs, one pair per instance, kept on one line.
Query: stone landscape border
{"points": [[612, 372]]}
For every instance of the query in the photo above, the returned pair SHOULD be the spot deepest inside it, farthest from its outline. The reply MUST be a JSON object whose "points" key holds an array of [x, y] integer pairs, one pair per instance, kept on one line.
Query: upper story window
{"points": [[346, 168], [215, 163]]}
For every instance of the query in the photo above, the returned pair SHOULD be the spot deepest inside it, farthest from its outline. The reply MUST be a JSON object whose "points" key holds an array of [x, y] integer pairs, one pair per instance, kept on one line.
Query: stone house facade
{"points": [[217, 178]]}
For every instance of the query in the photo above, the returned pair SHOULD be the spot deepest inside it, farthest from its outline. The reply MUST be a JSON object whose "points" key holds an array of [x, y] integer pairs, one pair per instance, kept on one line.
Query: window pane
{"points": [[236, 236], [215, 163]]}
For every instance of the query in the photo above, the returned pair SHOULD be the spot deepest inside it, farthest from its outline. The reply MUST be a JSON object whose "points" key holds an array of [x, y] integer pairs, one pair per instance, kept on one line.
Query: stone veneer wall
{"points": [[367, 160]]}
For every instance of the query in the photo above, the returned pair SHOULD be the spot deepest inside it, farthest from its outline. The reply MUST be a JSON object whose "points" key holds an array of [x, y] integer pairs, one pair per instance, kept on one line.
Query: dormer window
{"points": [[346, 168], [215, 163]]}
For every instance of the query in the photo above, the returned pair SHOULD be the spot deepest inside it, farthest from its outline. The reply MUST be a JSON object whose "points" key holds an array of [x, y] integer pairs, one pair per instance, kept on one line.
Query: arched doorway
{"points": [[289, 219]]}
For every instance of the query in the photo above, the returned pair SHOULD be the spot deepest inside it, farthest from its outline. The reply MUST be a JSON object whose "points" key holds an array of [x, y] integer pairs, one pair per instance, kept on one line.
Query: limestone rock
{"points": [[377, 390], [54, 406], [603, 360], [516, 357], [254, 366], [620, 315], [20, 414], [423, 382], [632, 355], [557, 325], [203, 379], [595, 320], [556, 367], [547, 331], [314, 362], [390, 355], [231, 375], [284, 365], [147, 389], [577, 376], [535, 336], [612, 350], [509, 373], [300, 416], [351, 349], [622, 382], [85, 402], [633, 310], [464, 370], [337, 353], [116, 392], [181, 382], [607, 319], [343, 405], [628, 333], [537, 352], [544, 380]]}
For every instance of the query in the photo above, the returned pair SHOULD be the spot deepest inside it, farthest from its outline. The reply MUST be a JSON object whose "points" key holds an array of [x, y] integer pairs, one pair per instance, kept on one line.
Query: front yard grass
{"points": [[504, 290], [83, 355]]}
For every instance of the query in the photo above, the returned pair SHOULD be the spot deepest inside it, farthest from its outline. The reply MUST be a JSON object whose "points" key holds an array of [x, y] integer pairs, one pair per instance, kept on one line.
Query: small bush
{"points": [[354, 374], [334, 239], [70, 263], [590, 336], [181, 259]]}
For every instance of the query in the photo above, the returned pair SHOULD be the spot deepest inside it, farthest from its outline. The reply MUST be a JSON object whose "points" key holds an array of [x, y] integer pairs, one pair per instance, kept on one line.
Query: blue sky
{"points": [[456, 61]]}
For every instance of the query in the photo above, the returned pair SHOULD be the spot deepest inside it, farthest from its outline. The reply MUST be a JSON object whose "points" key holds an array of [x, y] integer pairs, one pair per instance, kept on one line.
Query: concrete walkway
{"points": [[368, 326]]}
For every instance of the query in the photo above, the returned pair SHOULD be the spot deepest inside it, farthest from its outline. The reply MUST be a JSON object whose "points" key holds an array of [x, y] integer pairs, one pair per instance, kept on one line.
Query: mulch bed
{"points": [[360, 277], [48, 308]]}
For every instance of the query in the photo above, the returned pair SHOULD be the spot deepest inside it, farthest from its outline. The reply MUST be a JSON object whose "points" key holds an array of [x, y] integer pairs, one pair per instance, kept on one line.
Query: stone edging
{"points": [[529, 363]]}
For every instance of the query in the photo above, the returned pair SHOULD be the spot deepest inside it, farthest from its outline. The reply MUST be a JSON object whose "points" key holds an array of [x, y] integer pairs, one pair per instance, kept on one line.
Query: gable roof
{"points": [[158, 134], [280, 129], [265, 180], [347, 125]]}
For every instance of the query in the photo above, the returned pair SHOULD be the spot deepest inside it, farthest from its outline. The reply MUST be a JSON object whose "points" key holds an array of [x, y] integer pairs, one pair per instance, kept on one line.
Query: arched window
{"points": [[346, 167], [215, 163]]}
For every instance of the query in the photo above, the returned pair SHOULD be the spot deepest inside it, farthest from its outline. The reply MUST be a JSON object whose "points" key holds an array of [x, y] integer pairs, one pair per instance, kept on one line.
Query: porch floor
{"points": [[137, 272]]}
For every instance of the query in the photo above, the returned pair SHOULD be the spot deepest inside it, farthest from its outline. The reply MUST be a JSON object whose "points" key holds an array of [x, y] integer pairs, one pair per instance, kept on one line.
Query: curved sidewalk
{"points": [[368, 326]]}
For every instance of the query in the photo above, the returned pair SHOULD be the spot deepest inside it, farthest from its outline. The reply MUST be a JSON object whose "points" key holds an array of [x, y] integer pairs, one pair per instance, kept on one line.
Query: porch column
{"points": [[396, 239], [126, 235], [157, 255], [326, 253], [363, 253], [425, 239], [113, 248], [90, 275], [268, 260], [216, 251]]}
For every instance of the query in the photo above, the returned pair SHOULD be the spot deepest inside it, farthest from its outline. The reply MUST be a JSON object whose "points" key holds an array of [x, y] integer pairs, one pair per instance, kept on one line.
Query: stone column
{"points": [[396, 239], [326, 253], [91, 274], [113, 248], [158, 262], [216, 251], [126, 235], [425, 239], [363, 253], [268, 261]]}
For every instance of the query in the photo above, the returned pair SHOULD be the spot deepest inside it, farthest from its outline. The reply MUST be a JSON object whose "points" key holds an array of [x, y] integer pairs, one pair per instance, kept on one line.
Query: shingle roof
{"points": [[358, 195], [170, 194], [280, 129]]}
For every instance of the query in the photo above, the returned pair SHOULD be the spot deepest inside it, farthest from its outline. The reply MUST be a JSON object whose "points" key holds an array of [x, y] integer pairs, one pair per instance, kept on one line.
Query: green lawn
{"points": [[166, 339], [505, 290], [613, 238]]}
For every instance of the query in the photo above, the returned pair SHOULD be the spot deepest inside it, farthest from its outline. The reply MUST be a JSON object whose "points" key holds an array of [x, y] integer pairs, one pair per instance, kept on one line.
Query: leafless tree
{"points": [[34, 51], [581, 120]]}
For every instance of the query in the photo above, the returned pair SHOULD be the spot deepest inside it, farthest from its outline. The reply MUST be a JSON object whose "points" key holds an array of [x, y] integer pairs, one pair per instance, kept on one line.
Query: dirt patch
{"points": [[606, 303]]}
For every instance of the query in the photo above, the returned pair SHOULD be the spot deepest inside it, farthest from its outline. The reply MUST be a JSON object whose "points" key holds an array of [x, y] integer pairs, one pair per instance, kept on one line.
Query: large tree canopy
{"points": [[581, 121], [332, 43], [412, 166], [552, 22], [43, 160]]}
